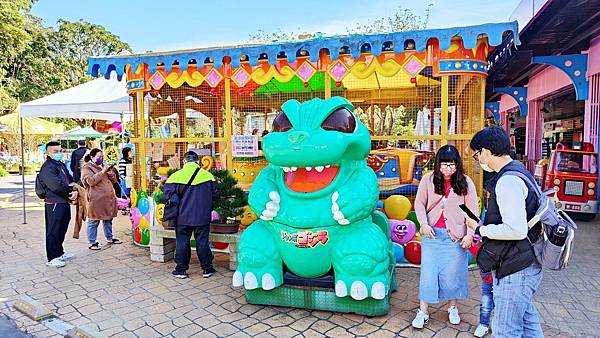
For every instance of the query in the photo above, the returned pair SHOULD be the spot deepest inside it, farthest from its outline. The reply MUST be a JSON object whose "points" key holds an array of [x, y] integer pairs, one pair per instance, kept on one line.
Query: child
{"points": [[487, 304]]}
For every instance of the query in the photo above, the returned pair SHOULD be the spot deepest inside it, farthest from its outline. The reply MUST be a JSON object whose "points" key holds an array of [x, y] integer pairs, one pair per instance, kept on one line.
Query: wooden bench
{"points": [[162, 245]]}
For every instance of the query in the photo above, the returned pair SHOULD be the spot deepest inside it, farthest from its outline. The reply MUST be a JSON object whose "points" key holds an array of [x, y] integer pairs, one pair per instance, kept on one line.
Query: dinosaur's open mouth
{"points": [[309, 179]]}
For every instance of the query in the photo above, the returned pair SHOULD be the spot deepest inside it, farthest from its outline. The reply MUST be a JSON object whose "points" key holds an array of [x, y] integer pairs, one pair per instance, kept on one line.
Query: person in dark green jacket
{"points": [[195, 207]]}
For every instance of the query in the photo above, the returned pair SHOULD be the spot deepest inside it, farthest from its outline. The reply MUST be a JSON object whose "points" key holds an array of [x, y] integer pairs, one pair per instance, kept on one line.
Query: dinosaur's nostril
{"points": [[297, 137]]}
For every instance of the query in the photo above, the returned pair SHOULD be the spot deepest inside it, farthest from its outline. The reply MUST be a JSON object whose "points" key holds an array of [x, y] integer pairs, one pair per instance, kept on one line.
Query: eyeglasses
{"points": [[476, 155], [447, 165]]}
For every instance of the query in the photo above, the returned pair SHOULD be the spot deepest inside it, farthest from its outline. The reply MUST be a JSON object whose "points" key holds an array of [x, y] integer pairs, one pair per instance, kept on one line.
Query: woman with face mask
{"points": [[102, 201], [445, 236]]}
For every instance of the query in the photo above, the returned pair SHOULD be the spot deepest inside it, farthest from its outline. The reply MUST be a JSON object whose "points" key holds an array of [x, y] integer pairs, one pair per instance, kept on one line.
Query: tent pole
{"points": [[23, 167]]}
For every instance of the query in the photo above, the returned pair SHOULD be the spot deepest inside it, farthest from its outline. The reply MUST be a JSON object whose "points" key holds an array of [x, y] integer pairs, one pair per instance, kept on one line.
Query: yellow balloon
{"points": [[133, 196], [397, 207], [159, 213], [417, 236], [144, 223]]}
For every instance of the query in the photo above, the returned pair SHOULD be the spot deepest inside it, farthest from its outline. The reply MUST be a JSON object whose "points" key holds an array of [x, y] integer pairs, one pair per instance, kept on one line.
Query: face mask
{"points": [[486, 167], [58, 156], [99, 161], [447, 171]]}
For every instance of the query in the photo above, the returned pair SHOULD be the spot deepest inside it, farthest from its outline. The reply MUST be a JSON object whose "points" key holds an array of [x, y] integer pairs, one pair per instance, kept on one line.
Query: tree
{"points": [[74, 42], [403, 19]]}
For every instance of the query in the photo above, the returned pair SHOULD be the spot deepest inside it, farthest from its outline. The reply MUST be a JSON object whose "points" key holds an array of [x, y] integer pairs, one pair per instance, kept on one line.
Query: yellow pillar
{"points": [[444, 117], [228, 124], [142, 139], [327, 85]]}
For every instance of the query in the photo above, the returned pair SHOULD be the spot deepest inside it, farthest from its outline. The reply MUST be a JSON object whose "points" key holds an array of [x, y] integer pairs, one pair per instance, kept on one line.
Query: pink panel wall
{"points": [[534, 133], [506, 103], [594, 57], [547, 81]]}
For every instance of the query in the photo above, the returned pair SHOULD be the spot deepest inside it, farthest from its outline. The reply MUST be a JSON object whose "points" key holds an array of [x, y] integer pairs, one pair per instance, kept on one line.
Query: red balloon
{"points": [[412, 252], [137, 235], [220, 246]]}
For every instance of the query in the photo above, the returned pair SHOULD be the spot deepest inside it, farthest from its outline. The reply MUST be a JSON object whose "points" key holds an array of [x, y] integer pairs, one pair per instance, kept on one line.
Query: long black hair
{"points": [[458, 181]]}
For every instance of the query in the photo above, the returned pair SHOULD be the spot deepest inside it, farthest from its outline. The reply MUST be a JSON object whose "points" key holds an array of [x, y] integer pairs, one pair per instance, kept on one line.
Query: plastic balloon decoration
{"points": [[402, 231], [220, 246], [412, 252], [134, 197], [397, 207], [144, 206], [159, 213]]}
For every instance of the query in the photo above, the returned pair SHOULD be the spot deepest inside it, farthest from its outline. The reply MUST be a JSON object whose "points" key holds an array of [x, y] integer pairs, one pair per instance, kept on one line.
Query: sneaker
{"points": [[56, 262], [453, 315], [180, 274], [420, 320], [66, 256], [208, 272], [481, 330]]}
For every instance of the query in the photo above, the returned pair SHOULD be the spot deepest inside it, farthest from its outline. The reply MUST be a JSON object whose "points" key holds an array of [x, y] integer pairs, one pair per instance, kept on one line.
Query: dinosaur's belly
{"points": [[306, 252]]}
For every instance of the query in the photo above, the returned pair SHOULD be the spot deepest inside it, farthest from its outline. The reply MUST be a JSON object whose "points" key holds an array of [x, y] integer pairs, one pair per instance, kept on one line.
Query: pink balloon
{"points": [[135, 217], [214, 216], [402, 232]]}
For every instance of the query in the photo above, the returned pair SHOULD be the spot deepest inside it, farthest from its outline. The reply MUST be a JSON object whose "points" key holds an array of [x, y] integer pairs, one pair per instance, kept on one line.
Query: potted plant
{"points": [[228, 203]]}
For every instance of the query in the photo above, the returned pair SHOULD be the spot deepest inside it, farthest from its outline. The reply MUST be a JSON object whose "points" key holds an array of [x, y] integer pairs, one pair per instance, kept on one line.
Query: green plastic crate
{"points": [[315, 298]]}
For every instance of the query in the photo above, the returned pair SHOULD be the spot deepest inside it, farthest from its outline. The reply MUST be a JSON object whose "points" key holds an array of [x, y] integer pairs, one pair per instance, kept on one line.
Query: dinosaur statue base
{"points": [[324, 299]]}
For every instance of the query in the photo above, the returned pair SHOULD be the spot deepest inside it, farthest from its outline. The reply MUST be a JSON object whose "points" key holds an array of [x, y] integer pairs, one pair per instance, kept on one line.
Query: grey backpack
{"points": [[554, 221]]}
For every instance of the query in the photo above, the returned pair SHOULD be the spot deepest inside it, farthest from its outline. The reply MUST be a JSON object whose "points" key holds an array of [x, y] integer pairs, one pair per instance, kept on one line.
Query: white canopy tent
{"points": [[99, 99]]}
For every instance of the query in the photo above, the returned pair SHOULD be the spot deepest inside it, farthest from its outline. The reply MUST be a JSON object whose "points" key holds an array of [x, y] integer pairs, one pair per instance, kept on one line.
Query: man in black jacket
{"points": [[193, 187], [76, 158], [511, 203], [57, 185]]}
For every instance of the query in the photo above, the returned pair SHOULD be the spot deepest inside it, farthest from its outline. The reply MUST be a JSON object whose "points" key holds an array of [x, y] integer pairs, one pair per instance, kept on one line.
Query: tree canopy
{"points": [[402, 19], [36, 60]]}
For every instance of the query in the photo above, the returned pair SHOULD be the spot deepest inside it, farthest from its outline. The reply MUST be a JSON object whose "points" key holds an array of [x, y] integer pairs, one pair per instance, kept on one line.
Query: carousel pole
{"points": [[22, 166]]}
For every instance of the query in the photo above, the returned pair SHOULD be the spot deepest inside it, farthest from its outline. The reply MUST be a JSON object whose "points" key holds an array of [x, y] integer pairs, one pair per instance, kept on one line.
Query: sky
{"points": [[152, 25]]}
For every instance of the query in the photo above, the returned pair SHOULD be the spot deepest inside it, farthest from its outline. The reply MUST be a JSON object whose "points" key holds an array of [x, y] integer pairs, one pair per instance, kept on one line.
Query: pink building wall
{"points": [[592, 104]]}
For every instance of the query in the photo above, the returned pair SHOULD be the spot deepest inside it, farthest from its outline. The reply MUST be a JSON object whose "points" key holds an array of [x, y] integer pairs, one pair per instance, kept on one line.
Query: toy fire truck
{"points": [[573, 172]]}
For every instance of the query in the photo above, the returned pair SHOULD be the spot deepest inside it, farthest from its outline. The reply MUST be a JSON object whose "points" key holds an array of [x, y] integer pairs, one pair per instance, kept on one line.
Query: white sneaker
{"points": [[453, 315], [56, 262], [420, 320], [67, 256], [481, 331]]}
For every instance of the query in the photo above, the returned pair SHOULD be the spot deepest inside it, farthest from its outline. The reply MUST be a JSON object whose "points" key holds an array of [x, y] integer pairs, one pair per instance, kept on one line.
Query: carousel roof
{"points": [[352, 44]]}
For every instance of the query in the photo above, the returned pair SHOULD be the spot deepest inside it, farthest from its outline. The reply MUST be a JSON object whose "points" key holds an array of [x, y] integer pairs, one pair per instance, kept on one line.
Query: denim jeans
{"points": [[515, 314], [487, 303], [183, 251], [92, 230]]}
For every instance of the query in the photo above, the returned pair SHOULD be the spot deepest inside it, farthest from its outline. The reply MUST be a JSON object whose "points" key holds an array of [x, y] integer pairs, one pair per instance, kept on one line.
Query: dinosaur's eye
{"points": [[281, 123], [340, 120]]}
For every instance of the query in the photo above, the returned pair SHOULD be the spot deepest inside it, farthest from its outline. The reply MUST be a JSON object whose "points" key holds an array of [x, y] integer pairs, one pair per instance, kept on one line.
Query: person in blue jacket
{"points": [[194, 214]]}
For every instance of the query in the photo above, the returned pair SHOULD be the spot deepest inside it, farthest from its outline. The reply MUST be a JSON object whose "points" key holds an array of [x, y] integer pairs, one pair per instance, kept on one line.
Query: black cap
{"points": [[81, 142]]}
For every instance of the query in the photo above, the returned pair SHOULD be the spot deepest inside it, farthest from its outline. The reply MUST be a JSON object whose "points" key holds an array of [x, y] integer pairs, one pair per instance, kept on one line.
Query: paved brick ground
{"points": [[119, 292]]}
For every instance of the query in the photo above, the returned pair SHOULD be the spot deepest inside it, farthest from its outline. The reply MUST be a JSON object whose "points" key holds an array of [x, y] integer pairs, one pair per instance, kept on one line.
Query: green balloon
{"points": [[158, 197], [412, 216], [142, 194], [145, 236]]}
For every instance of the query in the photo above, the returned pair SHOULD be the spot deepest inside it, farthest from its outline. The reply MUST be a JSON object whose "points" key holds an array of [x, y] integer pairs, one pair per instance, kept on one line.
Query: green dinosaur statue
{"points": [[316, 201]]}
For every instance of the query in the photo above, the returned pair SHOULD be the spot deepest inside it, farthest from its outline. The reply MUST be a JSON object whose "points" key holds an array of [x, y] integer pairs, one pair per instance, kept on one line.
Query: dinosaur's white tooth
{"points": [[308, 168], [294, 168], [319, 168], [328, 166], [286, 169]]}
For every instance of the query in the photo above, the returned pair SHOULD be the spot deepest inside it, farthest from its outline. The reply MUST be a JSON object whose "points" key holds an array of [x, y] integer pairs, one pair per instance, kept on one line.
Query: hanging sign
{"points": [[244, 145]]}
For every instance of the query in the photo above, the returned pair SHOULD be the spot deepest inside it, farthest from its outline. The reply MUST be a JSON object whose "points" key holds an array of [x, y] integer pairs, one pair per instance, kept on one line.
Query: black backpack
{"points": [[40, 187]]}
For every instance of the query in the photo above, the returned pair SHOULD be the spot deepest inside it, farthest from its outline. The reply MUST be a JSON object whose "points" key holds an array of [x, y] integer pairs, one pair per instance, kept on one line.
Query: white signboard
{"points": [[244, 145]]}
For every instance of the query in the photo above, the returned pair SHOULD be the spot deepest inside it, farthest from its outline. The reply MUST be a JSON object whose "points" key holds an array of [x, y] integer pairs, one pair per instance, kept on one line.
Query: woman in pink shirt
{"points": [[444, 261]]}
